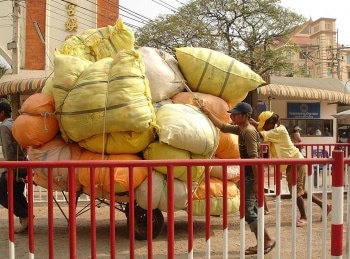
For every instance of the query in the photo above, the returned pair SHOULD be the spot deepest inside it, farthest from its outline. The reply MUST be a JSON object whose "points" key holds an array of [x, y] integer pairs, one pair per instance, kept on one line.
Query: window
{"points": [[328, 26], [310, 128]]}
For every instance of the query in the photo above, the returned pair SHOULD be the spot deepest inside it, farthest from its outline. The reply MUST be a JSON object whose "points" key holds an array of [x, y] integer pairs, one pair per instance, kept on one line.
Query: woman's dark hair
{"points": [[273, 119]]}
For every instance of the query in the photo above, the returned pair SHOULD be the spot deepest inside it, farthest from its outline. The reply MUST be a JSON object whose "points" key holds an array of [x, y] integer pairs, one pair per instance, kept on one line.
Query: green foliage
{"points": [[2, 71], [256, 32]]}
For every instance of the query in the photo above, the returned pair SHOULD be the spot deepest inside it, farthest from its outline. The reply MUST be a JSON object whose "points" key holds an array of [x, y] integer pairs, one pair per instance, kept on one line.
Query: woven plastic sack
{"points": [[216, 198], [54, 150], [214, 104], [186, 127], [107, 96], [162, 151], [163, 73], [120, 174], [122, 142], [37, 123], [228, 146], [96, 44], [212, 72], [233, 172]]}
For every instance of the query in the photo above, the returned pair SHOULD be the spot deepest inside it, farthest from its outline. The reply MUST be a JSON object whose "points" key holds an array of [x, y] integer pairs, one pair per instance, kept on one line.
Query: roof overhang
{"points": [[26, 81], [297, 92]]}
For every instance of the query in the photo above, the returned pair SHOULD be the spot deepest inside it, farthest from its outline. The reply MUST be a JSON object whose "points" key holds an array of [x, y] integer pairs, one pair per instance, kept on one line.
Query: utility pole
{"points": [[306, 56], [15, 51]]}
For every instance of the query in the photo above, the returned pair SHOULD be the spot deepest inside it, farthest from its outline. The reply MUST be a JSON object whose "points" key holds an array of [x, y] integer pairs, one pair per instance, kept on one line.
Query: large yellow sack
{"points": [[96, 44], [163, 73], [214, 104], [216, 198], [186, 127], [54, 150], [37, 123], [122, 142], [212, 72], [107, 96], [162, 151], [102, 174], [47, 89]]}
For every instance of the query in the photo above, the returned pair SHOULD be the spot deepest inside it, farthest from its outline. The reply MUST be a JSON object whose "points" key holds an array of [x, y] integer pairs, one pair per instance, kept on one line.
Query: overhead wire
{"points": [[84, 19]]}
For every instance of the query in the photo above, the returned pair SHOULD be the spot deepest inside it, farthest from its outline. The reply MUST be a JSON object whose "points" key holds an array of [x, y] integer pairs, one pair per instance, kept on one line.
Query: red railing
{"points": [[336, 161]]}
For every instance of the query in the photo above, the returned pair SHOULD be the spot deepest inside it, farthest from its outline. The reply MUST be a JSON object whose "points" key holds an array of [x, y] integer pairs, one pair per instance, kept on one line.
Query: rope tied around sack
{"points": [[45, 114]]}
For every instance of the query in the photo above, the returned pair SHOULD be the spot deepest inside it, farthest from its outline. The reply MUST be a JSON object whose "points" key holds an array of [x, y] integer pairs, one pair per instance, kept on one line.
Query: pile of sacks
{"points": [[110, 101]]}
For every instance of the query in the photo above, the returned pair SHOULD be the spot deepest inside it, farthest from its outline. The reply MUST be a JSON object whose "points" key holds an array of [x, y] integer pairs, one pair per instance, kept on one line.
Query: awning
{"points": [[22, 85], [344, 115], [303, 93]]}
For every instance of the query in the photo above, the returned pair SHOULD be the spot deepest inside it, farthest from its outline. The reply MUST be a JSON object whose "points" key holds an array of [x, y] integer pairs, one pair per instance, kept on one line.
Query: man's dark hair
{"points": [[5, 107]]}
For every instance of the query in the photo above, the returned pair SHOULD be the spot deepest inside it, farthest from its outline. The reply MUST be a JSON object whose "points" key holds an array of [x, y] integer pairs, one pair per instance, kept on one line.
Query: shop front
{"points": [[306, 106]]}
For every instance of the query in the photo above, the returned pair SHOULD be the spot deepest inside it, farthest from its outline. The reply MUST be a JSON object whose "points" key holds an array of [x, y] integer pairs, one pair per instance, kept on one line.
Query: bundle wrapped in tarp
{"points": [[228, 146], [55, 150], [214, 104], [37, 123], [122, 142], [186, 127], [96, 44], [120, 174], [160, 193], [163, 73], [233, 172], [216, 198], [162, 151], [212, 72], [107, 96], [47, 88]]}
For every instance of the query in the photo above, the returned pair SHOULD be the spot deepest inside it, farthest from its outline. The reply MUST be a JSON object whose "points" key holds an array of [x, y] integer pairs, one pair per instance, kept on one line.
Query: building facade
{"points": [[321, 55], [33, 29]]}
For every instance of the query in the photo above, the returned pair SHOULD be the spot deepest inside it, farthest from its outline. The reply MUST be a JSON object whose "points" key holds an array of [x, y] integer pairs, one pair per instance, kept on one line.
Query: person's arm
{"points": [[251, 142], [8, 148], [297, 137]]}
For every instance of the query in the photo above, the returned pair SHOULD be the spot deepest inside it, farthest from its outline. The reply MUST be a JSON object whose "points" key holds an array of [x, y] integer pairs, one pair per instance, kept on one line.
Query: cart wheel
{"points": [[141, 222]]}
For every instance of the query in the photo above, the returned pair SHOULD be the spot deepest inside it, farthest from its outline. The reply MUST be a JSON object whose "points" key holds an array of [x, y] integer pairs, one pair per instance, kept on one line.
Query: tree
{"points": [[255, 32]]}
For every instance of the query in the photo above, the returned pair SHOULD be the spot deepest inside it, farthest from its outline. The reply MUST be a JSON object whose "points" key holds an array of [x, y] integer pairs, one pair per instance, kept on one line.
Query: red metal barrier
{"points": [[336, 161]]}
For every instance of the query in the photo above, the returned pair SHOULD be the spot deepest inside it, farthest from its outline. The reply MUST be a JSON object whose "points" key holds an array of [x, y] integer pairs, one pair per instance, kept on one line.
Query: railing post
{"points": [[337, 203]]}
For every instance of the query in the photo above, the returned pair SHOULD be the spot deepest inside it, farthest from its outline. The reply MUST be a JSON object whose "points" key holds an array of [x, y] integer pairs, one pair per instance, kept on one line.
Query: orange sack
{"points": [[37, 123], [55, 150], [102, 174]]}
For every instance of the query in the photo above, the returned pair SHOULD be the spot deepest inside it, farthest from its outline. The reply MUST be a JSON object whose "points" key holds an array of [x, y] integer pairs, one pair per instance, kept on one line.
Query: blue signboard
{"points": [[303, 110]]}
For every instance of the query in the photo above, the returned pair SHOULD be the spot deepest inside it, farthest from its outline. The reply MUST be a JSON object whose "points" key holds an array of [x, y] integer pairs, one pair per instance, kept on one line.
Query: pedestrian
{"points": [[327, 132], [318, 132], [282, 147], [249, 147], [12, 152], [296, 138]]}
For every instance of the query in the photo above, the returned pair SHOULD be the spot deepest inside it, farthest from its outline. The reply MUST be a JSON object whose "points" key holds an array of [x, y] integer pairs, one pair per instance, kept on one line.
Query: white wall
{"points": [[85, 12]]}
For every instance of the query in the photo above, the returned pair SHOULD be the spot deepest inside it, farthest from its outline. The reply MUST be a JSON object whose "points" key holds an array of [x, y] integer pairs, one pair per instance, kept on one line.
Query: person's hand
{"points": [[253, 122], [203, 107]]}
